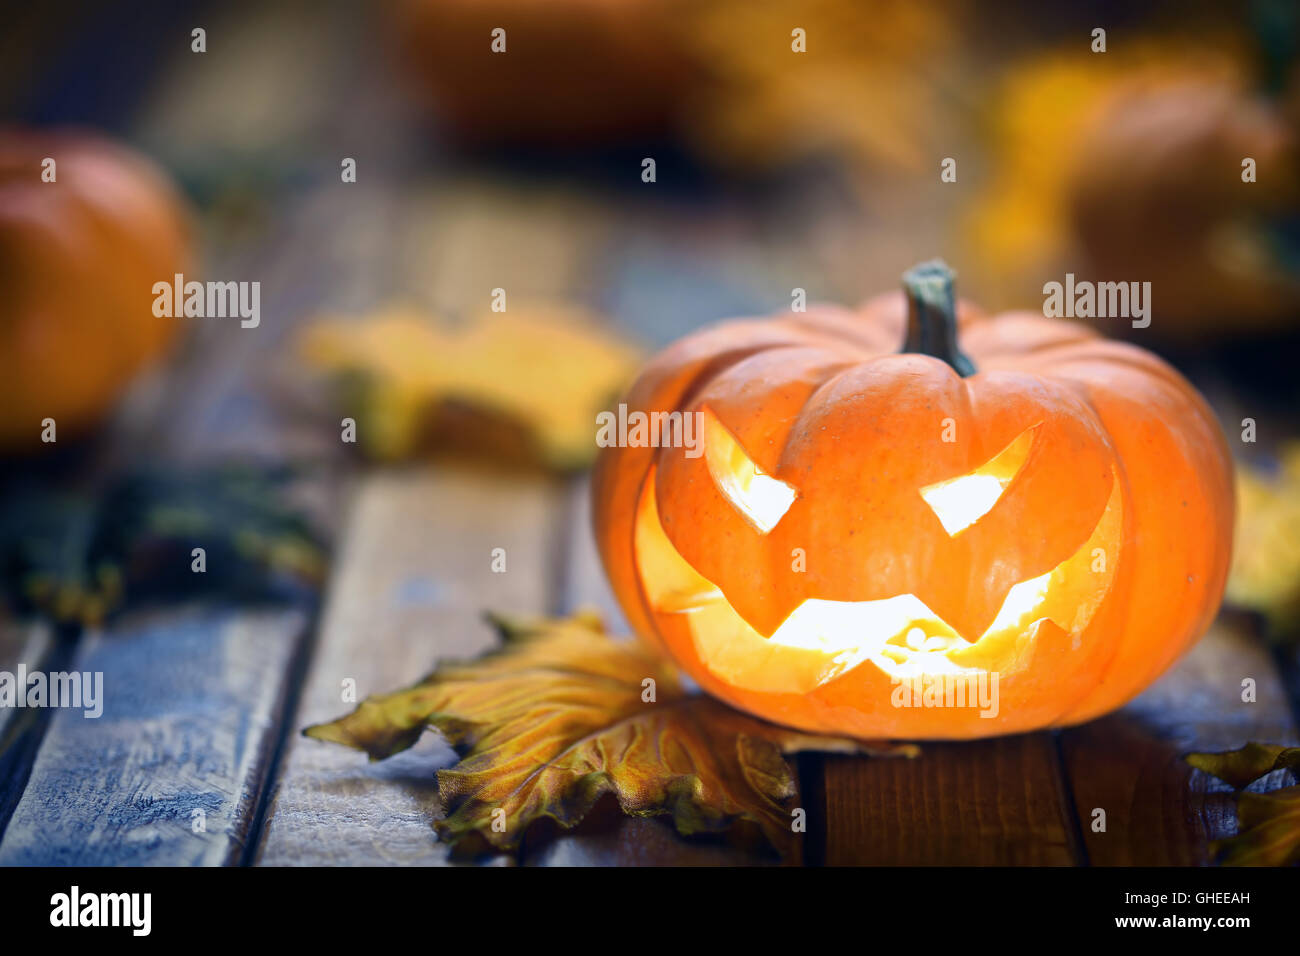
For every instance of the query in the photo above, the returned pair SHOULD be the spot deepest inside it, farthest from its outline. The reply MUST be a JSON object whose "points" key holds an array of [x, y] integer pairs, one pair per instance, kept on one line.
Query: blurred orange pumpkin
{"points": [[78, 259], [860, 526], [1157, 193], [1129, 167], [572, 71]]}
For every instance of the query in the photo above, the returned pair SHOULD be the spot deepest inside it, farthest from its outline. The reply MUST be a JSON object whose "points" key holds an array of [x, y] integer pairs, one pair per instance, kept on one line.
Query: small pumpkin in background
{"points": [[78, 259], [1032, 504], [1157, 194], [1127, 167]]}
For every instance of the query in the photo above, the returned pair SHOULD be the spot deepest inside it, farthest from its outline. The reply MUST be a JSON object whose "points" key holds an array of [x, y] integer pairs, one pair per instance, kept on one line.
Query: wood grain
{"points": [[193, 701], [1158, 810], [411, 582], [992, 802], [1031, 799]]}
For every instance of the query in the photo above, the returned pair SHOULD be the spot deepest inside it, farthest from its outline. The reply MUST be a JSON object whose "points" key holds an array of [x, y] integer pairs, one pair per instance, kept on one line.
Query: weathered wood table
{"points": [[199, 758], [207, 705]]}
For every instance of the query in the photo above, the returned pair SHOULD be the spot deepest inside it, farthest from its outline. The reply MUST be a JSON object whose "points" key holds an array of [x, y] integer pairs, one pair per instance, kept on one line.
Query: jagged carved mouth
{"points": [[822, 640]]}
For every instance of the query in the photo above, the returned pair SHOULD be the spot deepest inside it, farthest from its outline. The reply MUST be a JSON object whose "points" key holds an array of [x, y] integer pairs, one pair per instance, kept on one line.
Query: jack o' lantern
{"points": [[864, 536], [79, 255]]}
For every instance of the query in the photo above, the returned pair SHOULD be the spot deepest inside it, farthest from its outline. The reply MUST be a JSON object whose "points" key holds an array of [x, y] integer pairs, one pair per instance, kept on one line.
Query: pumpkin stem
{"points": [[932, 315]]}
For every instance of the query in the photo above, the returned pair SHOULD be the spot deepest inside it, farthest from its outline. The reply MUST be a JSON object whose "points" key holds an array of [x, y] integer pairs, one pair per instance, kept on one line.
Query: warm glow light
{"points": [[760, 498], [900, 635], [1021, 601], [959, 502]]}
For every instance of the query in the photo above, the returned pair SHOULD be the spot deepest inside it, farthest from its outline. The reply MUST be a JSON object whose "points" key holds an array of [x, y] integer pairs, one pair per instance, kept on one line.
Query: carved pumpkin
{"points": [[78, 259], [1054, 511]]}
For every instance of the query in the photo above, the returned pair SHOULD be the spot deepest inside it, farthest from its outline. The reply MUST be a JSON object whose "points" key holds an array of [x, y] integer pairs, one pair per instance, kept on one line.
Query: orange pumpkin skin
{"points": [[1123, 458], [78, 260]]}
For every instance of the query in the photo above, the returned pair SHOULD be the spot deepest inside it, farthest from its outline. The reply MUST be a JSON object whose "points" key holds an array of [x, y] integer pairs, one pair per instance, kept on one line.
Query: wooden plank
{"points": [[609, 838], [953, 806], [219, 400], [412, 579], [465, 236], [27, 644], [583, 584], [1158, 810], [992, 802], [171, 772], [209, 406], [30, 646]]}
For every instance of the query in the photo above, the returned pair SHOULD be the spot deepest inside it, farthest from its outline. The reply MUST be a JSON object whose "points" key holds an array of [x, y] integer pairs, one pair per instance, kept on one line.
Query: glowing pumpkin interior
{"points": [[823, 639]]}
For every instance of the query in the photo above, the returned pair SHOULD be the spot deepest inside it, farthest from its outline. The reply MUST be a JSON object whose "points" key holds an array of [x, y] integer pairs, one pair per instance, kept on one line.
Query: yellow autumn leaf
{"points": [[1268, 824], [545, 371], [563, 714], [1244, 766], [1265, 573], [874, 88], [1269, 830]]}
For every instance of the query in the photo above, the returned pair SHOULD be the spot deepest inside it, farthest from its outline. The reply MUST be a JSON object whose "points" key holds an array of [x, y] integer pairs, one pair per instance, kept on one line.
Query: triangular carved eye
{"points": [[759, 498], [959, 502]]}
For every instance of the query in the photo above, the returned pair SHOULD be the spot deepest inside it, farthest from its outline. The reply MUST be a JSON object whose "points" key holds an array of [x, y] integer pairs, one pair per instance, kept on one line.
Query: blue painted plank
{"points": [[173, 771], [412, 578]]}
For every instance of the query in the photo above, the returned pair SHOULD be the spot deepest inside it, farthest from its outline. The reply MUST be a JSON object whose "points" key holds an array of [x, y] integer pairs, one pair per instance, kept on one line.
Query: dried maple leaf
{"points": [[532, 376], [1241, 768], [563, 714], [1268, 824], [1269, 830]]}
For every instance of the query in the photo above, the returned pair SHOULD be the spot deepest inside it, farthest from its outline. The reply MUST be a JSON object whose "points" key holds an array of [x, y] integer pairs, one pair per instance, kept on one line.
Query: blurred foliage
{"points": [[722, 74], [1265, 573], [80, 558], [877, 88], [523, 386], [1268, 824]]}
